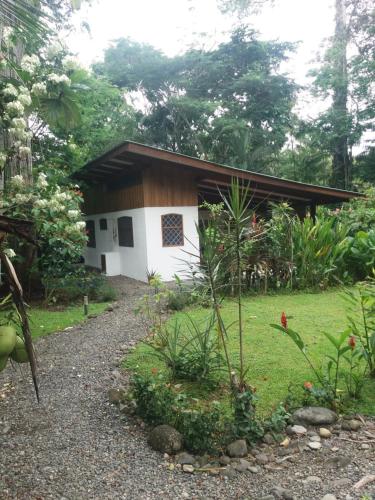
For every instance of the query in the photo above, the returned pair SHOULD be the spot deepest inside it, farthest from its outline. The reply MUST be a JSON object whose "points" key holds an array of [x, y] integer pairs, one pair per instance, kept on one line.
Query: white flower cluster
{"points": [[54, 49], [15, 108], [9, 252], [42, 181], [23, 198], [41, 203], [55, 78], [10, 90], [30, 63], [18, 181], [70, 63], [24, 152], [7, 34], [39, 89], [73, 214], [24, 96]]}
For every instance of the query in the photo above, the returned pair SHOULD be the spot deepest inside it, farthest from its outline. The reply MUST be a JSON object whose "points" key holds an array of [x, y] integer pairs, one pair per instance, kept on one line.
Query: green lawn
{"points": [[46, 321], [273, 358]]}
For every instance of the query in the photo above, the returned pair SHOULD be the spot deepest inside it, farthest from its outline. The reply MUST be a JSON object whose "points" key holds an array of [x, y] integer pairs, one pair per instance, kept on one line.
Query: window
{"points": [[103, 224], [125, 231], [172, 230], [90, 229]]}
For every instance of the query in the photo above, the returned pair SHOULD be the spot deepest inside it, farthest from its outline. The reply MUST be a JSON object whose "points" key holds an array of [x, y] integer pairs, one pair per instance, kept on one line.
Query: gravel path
{"points": [[75, 445]]}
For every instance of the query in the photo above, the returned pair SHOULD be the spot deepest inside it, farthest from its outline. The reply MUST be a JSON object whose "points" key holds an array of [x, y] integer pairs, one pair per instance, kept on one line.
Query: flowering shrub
{"points": [[60, 229]]}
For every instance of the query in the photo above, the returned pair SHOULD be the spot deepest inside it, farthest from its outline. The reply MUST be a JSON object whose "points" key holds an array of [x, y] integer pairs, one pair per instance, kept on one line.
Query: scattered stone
{"points": [[340, 461], [165, 439], [242, 465], [185, 458], [329, 497], [267, 497], [268, 438], [280, 492], [299, 430], [188, 468], [314, 415], [5, 429], [315, 438], [224, 460], [92, 316], [311, 480], [228, 472], [237, 449], [325, 433], [262, 459], [203, 460], [285, 443], [313, 445], [342, 483], [365, 446], [254, 469], [115, 396], [351, 425], [109, 308]]}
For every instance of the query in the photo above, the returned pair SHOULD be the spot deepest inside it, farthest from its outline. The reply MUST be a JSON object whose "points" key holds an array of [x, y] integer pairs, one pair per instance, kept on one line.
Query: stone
{"points": [[237, 449], [365, 446], [262, 459], [115, 396], [280, 492], [340, 461], [242, 465], [185, 458], [267, 497], [315, 438], [344, 482], [165, 439], [109, 308], [203, 460], [311, 480], [253, 469], [325, 433], [299, 430], [228, 472], [268, 438], [313, 445], [188, 468], [224, 460], [285, 443], [314, 415], [351, 425], [329, 497]]}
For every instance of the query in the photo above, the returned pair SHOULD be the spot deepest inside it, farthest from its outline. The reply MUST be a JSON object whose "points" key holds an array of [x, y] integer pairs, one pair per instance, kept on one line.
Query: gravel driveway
{"points": [[75, 445]]}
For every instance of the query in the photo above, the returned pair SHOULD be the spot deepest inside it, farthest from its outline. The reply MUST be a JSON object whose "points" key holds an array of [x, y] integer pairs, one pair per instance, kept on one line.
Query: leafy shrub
{"points": [[361, 255], [179, 301], [159, 402]]}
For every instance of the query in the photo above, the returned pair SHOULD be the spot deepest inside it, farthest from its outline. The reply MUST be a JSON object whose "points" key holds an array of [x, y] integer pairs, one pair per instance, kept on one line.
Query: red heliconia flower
{"points": [[351, 341], [308, 385], [283, 320]]}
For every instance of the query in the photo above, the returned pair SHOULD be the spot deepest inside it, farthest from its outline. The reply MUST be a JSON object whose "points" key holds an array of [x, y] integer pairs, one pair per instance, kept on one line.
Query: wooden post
{"points": [[313, 211], [85, 305]]}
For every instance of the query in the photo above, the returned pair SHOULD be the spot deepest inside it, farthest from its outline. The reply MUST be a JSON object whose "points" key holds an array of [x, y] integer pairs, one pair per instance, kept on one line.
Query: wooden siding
{"points": [[167, 186], [99, 201]]}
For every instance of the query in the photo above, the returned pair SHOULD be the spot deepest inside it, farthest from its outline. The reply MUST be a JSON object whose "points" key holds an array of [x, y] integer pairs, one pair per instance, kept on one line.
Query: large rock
{"points": [[314, 415], [237, 449], [165, 439]]}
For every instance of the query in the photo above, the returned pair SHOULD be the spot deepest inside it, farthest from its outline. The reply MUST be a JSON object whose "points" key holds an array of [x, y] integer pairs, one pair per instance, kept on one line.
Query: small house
{"points": [[142, 205]]}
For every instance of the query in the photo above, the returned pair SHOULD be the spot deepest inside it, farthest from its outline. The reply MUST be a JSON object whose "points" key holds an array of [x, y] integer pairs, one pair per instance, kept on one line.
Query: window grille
{"points": [[172, 230], [103, 224], [90, 230], [125, 231]]}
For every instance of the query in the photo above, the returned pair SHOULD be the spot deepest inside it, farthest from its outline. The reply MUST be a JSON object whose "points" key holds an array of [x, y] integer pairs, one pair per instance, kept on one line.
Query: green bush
{"points": [[159, 402]]}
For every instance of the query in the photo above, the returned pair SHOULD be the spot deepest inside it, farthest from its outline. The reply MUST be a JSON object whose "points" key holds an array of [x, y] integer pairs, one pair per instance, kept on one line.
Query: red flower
{"points": [[154, 371], [352, 341], [308, 386], [283, 320]]}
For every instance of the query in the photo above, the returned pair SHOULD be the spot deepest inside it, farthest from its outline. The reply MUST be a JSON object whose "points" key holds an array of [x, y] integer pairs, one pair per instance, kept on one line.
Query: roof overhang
{"points": [[126, 159]]}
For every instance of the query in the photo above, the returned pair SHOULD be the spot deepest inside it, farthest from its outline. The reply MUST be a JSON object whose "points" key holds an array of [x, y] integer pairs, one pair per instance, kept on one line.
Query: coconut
{"points": [[3, 362], [8, 339], [19, 353]]}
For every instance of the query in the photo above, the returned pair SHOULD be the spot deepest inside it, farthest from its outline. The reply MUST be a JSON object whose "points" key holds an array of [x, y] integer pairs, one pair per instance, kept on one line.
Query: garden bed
{"points": [[275, 362]]}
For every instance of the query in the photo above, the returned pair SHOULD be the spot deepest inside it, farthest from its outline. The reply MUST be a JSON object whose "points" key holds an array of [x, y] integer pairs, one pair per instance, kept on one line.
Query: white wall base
{"points": [[148, 253]]}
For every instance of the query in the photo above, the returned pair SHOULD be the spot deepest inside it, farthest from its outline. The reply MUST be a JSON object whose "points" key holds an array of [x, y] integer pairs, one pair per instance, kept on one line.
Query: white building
{"points": [[142, 206]]}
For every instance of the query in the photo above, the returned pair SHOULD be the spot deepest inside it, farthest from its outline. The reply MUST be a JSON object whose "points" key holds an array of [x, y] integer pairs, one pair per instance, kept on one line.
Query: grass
{"points": [[274, 360], [46, 321]]}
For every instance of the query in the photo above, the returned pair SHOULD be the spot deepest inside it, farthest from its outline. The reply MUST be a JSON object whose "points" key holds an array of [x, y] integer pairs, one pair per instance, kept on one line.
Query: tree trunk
{"points": [[341, 162]]}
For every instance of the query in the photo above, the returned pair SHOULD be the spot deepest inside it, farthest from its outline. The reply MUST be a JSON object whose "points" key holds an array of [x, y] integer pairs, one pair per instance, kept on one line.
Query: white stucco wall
{"points": [[167, 260], [148, 252]]}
